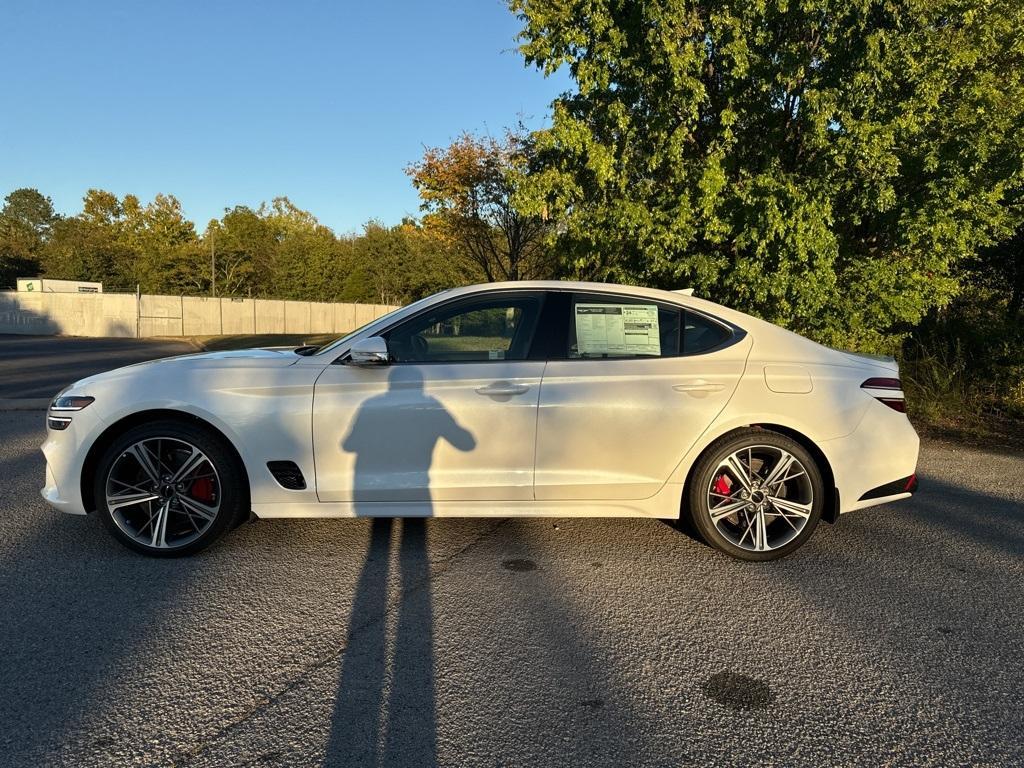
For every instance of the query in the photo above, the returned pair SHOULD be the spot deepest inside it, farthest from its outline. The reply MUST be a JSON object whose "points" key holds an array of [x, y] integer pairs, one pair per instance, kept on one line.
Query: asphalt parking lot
{"points": [[895, 637], [37, 367]]}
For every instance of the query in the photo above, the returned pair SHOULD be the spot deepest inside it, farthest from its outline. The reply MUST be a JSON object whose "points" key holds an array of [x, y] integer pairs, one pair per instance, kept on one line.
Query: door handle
{"points": [[503, 389], [700, 385]]}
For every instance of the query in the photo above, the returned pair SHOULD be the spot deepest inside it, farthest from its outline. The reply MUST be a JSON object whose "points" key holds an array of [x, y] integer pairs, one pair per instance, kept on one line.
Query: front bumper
{"points": [[51, 495], [65, 451]]}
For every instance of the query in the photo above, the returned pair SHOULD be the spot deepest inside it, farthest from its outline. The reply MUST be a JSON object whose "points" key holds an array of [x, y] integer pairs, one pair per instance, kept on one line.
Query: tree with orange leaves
{"points": [[469, 198]]}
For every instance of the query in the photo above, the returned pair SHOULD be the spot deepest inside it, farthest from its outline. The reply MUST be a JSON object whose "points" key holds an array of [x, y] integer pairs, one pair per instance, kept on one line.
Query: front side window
{"points": [[602, 327], [473, 331]]}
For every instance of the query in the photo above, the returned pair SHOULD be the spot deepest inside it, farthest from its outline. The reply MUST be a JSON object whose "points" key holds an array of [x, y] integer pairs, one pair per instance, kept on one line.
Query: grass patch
{"points": [[945, 402]]}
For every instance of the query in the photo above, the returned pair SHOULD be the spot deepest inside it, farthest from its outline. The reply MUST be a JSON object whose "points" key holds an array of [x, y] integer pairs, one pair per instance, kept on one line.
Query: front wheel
{"points": [[756, 495], [169, 488]]}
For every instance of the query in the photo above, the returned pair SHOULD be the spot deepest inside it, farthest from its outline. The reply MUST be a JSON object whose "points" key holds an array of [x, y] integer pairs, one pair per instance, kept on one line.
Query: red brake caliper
{"points": [[723, 485], [202, 489]]}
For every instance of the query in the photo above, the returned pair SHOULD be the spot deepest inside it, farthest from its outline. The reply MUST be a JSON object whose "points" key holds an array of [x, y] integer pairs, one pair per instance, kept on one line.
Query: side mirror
{"points": [[371, 351]]}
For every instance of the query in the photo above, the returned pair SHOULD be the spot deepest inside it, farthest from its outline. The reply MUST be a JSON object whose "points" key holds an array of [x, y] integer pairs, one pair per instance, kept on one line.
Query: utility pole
{"points": [[213, 263]]}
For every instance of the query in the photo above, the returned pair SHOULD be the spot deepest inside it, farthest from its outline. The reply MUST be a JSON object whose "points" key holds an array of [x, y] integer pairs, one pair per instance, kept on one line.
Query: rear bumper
{"points": [[864, 463], [895, 488]]}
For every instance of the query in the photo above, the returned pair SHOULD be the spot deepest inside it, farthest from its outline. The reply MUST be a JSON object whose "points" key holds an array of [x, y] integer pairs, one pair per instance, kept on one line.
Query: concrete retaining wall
{"points": [[124, 314], [269, 315], [200, 314], [238, 316]]}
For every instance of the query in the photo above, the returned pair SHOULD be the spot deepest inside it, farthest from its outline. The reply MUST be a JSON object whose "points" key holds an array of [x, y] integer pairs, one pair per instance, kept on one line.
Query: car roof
{"points": [[570, 285], [656, 294]]}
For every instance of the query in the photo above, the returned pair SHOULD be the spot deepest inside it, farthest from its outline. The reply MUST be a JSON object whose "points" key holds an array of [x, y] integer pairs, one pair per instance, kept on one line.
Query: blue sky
{"points": [[224, 103]]}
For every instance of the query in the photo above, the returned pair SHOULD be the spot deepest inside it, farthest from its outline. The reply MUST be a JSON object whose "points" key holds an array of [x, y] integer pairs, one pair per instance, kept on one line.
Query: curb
{"points": [[24, 404]]}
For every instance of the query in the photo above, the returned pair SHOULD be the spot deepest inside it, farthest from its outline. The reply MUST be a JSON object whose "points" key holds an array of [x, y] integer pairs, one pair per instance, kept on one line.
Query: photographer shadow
{"points": [[385, 708]]}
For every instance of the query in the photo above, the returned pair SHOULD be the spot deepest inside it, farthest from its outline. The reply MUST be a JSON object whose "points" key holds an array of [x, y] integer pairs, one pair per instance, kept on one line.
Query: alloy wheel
{"points": [[163, 492], [760, 497]]}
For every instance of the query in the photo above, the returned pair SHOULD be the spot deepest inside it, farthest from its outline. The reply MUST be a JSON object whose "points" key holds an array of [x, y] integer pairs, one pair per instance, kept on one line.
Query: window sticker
{"points": [[617, 329]]}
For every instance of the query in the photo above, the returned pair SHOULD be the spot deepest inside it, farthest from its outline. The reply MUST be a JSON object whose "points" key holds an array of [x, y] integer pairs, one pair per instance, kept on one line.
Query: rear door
{"points": [[627, 392]]}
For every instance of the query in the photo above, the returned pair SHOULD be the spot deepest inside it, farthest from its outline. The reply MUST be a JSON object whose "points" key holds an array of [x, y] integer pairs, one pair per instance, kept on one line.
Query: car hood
{"points": [[234, 358]]}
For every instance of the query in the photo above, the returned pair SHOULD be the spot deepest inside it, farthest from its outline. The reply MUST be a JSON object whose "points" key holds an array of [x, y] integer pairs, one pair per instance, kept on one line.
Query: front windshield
{"points": [[340, 342]]}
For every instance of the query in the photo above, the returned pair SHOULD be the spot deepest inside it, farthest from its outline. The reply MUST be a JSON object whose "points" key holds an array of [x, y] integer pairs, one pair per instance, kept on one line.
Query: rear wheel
{"points": [[756, 495], [169, 489]]}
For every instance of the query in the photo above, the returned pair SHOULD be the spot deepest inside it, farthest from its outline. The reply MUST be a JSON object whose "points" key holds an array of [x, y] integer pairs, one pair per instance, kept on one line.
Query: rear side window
{"points": [[701, 334], [603, 327]]}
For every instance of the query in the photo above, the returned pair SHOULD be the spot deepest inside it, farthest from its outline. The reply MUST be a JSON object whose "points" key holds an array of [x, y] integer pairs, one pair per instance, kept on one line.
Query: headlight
{"points": [[70, 402], [65, 404]]}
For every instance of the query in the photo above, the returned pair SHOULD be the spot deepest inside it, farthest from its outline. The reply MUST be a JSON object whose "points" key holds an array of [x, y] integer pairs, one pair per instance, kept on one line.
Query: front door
{"points": [[451, 418]]}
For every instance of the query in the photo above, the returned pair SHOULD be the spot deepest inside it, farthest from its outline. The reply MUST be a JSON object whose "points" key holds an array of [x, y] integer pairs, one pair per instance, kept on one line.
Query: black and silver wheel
{"points": [[169, 489], [756, 495]]}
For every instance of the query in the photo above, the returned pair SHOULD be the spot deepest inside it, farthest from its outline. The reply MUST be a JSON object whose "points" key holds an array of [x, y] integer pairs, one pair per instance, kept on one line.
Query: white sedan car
{"points": [[513, 399]]}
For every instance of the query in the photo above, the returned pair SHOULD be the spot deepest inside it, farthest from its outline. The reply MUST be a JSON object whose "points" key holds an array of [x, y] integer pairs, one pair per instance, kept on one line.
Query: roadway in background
{"points": [[37, 367]]}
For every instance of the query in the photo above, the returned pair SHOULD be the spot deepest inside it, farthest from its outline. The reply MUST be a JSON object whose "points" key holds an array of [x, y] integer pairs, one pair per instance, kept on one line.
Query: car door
{"points": [[636, 384], [452, 417]]}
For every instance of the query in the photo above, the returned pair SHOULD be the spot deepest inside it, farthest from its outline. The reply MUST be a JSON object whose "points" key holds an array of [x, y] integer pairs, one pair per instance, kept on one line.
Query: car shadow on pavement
{"points": [[941, 623], [997, 523]]}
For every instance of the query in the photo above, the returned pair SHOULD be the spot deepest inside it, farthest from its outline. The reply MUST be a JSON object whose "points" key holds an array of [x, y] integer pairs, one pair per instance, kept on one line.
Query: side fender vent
{"points": [[287, 474]]}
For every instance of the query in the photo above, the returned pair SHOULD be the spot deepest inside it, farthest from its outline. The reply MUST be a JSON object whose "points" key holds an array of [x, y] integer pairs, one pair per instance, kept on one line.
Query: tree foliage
{"points": [[276, 250], [469, 191], [823, 164], [1000, 268], [26, 219], [394, 264]]}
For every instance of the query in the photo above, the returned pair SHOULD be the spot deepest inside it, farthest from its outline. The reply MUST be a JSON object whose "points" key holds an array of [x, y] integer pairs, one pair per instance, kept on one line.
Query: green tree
{"points": [[307, 265], [84, 250], [823, 164], [397, 265], [164, 243], [1000, 267], [306, 254], [26, 221], [90, 246], [243, 244], [125, 244], [469, 194]]}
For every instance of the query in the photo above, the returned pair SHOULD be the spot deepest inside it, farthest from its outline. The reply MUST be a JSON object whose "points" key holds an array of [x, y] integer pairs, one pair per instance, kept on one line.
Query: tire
{"points": [[766, 515], [150, 510]]}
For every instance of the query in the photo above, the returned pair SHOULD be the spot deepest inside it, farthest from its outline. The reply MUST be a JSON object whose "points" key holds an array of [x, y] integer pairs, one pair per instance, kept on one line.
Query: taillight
{"points": [[887, 391]]}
